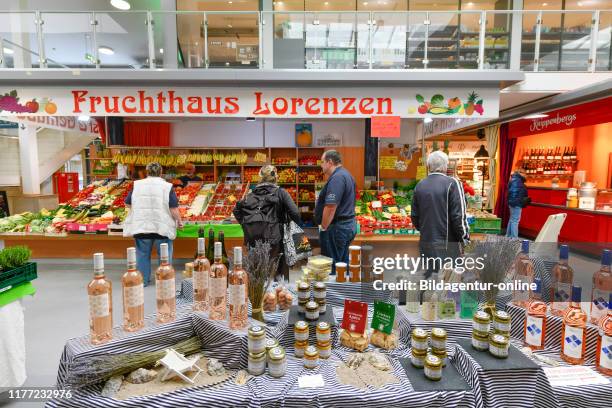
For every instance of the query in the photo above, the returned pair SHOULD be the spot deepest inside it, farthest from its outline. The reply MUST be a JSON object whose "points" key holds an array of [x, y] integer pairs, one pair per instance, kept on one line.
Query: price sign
{"points": [[385, 126], [355, 316], [384, 316]]}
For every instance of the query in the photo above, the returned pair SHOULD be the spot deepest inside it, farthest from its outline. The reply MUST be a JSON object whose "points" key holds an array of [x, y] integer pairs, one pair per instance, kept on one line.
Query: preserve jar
{"points": [[433, 367], [300, 347], [480, 340], [320, 290], [419, 339], [300, 331], [311, 357], [498, 346], [355, 273], [312, 310], [442, 354], [340, 272], [323, 332], [417, 357], [257, 339], [257, 363], [481, 321], [501, 321], [355, 254], [270, 344], [322, 305], [303, 289], [324, 348], [438, 338], [277, 362]]}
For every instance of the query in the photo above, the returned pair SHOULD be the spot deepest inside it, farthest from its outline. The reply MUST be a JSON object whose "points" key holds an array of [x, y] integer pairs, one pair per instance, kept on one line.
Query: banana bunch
{"points": [[230, 158], [260, 157], [173, 160]]}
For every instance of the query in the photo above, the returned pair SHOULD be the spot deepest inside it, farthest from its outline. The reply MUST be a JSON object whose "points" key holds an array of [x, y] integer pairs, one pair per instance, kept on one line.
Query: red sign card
{"points": [[385, 126], [355, 316]]}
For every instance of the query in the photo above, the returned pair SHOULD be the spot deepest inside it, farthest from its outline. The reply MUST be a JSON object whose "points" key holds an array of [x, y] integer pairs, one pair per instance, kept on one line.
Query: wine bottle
{"points": [[100, 291], [133, 295], [573, 332], [602, 288], [603, 356], [223, 251], [165, 287], [238, 293], [523, 272], [201, 275], [535, 318], [210, 249], [562, 278], [218, 286]]}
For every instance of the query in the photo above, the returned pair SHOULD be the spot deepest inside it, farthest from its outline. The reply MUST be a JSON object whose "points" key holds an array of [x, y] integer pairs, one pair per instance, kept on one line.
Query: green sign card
{"points": [[384, 316]]}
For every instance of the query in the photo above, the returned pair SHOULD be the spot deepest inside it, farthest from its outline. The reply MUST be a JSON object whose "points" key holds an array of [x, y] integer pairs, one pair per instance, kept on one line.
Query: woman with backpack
{"points": [[264, 211]]}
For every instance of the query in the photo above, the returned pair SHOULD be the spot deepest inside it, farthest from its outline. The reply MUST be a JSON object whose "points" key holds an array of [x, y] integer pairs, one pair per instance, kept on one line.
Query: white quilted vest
{"points": [[150, 213]]}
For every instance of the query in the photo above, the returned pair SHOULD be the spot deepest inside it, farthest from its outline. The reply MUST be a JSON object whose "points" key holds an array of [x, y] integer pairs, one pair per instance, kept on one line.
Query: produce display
{"points": [[284, 161], [310, 175], [309, 160], [383, 213], [223, 201], [287, 175], [168, 160], [251, 175]]}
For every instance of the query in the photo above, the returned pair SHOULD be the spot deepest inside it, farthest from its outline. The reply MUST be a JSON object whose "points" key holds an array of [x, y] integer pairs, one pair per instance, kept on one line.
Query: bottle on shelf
{"points": [[224, 257], [562, 277], [603, 356], [100, 292], [558, 153], [210, 249], [238, 293], [431, 300], [573, 332], [550, 154], [535, 318], [201, 274], [165, 288], [523, 272], [574, 155], [133, 295], [602, 288], [526, 155], [218, 286]]}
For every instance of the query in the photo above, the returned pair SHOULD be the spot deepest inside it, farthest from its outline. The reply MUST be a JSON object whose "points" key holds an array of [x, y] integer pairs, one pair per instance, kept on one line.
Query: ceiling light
{"points": [[229, 26], [103, 49], [83, 118], [229, 2], [427, 120], [536, 116], [8, 51], [120, 4], [326, 3], [470, 4], [161, 50], [579, 4], [458, 120], [544, 4], [365, 3]]}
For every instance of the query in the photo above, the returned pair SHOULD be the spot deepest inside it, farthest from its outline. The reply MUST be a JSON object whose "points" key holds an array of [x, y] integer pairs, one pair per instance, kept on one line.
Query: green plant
{"points": [[13, 257]]}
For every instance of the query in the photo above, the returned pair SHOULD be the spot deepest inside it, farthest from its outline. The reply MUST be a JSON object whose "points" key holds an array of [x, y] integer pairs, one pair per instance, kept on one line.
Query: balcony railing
{"points": [[480, 40]]}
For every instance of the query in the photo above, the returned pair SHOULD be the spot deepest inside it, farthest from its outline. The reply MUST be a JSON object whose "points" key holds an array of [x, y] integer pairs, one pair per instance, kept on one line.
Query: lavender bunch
{"points": [[260, 267]]}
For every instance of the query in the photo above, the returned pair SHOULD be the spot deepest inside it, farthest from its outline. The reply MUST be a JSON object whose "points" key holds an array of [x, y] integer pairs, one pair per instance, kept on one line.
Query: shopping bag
{"points": [[295, 243]]}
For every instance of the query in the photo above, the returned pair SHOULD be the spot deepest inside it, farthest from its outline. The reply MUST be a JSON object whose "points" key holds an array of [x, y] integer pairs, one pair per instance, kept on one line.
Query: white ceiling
{"points": [[510, 100]]}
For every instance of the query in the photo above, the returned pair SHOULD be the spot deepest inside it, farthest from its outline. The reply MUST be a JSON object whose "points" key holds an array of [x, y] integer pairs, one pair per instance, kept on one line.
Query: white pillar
{"points": [[516, 36], [267, 31], [22, 28], [28, 159], [169, 42]]}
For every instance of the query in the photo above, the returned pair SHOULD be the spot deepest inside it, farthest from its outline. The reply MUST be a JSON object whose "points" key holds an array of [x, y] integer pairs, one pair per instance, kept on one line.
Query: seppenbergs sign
{"points": [[251, 102]]}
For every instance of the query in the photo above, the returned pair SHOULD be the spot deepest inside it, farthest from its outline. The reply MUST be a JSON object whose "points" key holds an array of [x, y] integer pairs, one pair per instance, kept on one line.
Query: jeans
{"points": [[335, 241], [144, 248], [513, 223]]}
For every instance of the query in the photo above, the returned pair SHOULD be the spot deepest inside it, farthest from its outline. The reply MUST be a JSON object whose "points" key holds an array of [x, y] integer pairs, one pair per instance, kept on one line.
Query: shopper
{"points": [[438, 212], [335, 209], [517, 200], [264, 212], [188, 177], [153, 217]]}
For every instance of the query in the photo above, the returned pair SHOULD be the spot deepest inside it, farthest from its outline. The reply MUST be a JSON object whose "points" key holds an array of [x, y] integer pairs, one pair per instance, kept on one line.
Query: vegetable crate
{"points": [[16, 276], [486, 224]]}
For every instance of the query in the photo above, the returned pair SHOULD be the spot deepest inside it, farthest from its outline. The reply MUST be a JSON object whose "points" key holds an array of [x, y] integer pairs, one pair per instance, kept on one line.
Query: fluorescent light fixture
{"points": [[120, 4], [229, 26], [470, 4], [544, 4], [427, 120], [229, 2], [536, 116], [103, 49], [365, 3], [83, 118], [8, 51], [326, 3], [458, 120], [161, 50]]}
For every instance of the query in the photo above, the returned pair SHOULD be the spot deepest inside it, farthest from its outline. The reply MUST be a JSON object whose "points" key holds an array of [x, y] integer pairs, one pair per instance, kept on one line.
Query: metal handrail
{"points": [[4, 40]]}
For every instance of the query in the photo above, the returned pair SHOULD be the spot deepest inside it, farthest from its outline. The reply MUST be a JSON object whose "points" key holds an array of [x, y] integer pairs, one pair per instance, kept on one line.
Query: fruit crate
{"points": [[485, 230], [493, 224], [16, 276]]}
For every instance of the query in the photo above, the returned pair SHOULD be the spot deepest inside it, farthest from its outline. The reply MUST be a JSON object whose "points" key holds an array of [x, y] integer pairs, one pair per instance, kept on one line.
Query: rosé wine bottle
{"points": [[238, 293], [602, 288], [573, 332], [133, 295], [218, 286], [201, 274], [100, 291], [165, 288], [603, 359], [535, 319], [524, 272], [561, 285]]}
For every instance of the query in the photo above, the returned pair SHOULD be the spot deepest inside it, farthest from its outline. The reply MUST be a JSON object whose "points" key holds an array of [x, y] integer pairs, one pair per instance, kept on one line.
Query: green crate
{"points": [[485, 230], [487, 224], [16, 276]]}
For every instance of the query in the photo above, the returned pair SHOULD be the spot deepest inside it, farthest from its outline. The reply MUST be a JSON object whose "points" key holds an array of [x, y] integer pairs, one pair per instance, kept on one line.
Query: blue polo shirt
{"points": [[339, 191]]}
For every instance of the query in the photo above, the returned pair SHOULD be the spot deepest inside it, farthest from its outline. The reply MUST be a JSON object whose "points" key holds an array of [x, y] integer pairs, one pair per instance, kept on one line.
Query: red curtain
{"points": [[507, 147], [146, 133], [101, 122]]}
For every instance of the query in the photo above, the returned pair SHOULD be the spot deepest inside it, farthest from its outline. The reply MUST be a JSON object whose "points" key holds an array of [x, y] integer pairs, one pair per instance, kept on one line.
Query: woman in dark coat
{"points": [[517, 193]]}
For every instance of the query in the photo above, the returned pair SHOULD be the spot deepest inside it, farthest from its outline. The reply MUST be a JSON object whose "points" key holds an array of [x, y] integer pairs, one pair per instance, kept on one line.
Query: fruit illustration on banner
{"points": [[51, 108], [453, 106], [33, 106]]}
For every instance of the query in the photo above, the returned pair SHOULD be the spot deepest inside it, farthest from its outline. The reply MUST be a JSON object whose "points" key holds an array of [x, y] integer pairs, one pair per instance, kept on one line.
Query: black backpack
{"points": [[259, 217]]}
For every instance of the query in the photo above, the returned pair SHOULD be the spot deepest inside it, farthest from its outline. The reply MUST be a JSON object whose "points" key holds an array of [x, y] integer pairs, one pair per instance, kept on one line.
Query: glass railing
{"points": [[477, 40]]}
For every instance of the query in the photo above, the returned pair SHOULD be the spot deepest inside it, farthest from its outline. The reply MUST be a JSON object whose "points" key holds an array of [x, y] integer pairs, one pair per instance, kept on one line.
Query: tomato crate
{"points": [[16, 276], [486, 224]]}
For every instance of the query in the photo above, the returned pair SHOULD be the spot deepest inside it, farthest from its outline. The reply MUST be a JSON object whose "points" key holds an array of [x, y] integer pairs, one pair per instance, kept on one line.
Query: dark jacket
{"points": [[438, 210], [516, 190]]}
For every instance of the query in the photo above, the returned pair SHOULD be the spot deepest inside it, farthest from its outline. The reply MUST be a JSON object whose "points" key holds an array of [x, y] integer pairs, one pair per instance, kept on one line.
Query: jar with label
{"points": [[311, 357], [303, 289], [320, 289], [312, 310], [480, 340], [322, 305], [419, 339], [323, 332], [300, 331], [433, 368], [442, 354], [481, 321], [257, 363], [340, 272], [417, 357], [355, 273], [355, 254], [498, 346], [300, 347], [270, 344], [277, 362], [438, 338], [501, 322], [324, 348], [572, 198], [257, 339]]}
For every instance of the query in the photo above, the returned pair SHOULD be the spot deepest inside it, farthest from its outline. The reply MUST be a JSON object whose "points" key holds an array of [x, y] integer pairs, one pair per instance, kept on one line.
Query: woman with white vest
{"points": [[153, 217]]}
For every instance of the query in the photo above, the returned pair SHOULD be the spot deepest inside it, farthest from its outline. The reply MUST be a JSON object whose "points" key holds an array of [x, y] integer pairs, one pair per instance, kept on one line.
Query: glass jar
{"points": [[300, 347], [441, 354], [417, 358], [501, 321], [481, 321], [433, 367], [438, 338], [323, 332], [311, 357], [419, 339], [322, 305], [480, 340], [324, 348], [312, 310], [257, 363], [355, 254], [498, 346], [257, 339], [303, 289], [340, 272], [270, 344], [277, 362], [355, 273], [300, 331], [320, 290]]}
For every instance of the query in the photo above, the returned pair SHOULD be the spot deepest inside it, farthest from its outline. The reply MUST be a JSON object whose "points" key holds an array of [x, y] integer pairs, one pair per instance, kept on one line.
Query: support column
{"points": [[516, 35], [267, 33], [170, 40], [22, 28], [28, 159]]}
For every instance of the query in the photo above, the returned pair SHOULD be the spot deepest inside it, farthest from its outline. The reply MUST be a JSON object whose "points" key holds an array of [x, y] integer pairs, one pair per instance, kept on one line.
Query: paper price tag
{"points": [[355, 316], [376, 204], [311, 381], [384, 316]]}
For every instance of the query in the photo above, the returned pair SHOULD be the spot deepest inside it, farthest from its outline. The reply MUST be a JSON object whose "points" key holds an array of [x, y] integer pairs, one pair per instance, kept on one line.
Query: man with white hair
{"points": [[438, 212]]}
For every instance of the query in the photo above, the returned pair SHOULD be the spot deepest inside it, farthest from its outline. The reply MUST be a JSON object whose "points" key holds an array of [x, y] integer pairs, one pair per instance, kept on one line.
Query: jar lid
{"points": [[499, 339], [311, 351], [303, 286], [312, 306], [419, 353], [271, 343], [439, 352], [502, 316], [480, 335], [482, 316], [323, 326], [257, 356], [433, 361], [420, 334], [256, 331], [340, 264], [301, 344], [301, 325], [277, 353], [320, 286], [438, 333], [320, 301], [323, 344]]}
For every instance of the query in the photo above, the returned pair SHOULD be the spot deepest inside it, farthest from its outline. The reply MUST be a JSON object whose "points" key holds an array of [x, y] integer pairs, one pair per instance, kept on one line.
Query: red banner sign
{"points": [[386, 126], [587, 114]]}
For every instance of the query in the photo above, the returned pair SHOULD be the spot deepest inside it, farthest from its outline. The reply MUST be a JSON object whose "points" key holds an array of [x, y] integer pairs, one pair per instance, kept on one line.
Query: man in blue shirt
{"points": [[335, 209]]}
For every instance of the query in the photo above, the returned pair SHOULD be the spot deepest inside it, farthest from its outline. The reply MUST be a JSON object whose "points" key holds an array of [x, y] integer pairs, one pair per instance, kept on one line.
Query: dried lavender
{"points": [[261, 267]]}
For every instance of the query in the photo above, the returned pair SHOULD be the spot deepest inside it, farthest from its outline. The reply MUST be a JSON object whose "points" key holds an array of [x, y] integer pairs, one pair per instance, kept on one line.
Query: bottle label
{"points": [[134, 295], [165, 289], [599, 305], [218, 287], [200, 280], [534, 334], [605, 353], [573, 340], [237, 295], [562, 295], [99, 305]]}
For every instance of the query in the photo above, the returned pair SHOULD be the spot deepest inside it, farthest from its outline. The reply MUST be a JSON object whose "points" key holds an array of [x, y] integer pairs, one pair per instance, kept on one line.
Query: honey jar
{"points": [[256, 339], [481, 321], [299, 348], [300, 331], [312, 310], [438, 338], [419, 340], [499, 346], [433, 367], [323, 332], [311, 357], [417, 357], [277, 362], [355, 254], [340, 272], [355, 273], [324, 348]]}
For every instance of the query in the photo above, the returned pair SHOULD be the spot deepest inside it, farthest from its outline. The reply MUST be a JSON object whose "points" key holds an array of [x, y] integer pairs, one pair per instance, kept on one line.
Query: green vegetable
{"points": [[13, 257], [437, 99]]}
